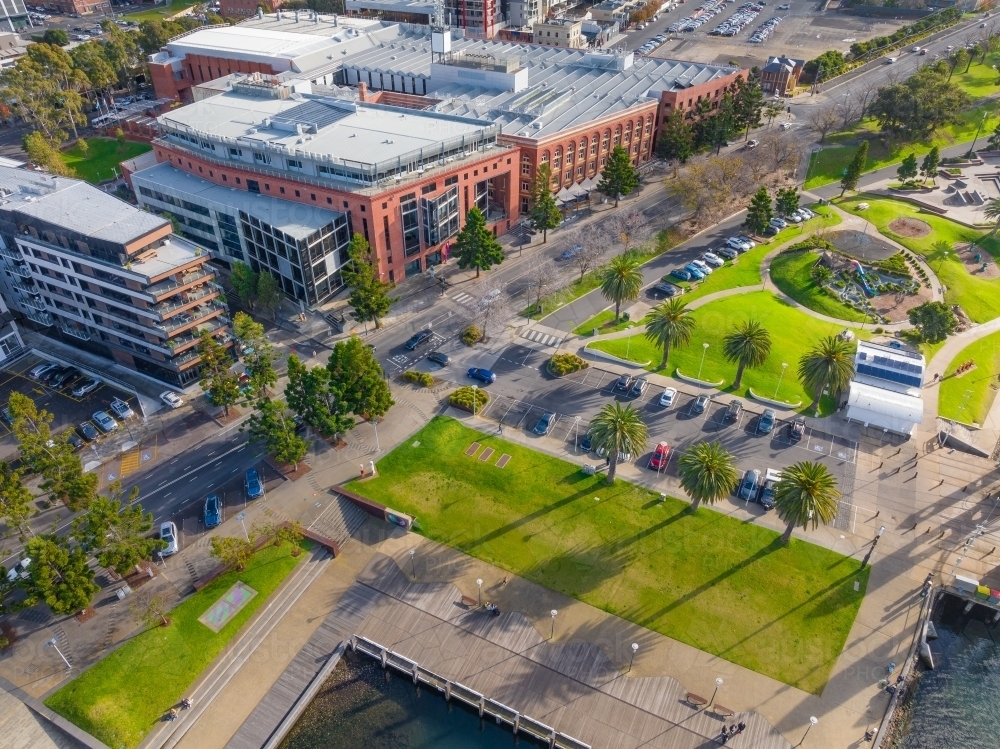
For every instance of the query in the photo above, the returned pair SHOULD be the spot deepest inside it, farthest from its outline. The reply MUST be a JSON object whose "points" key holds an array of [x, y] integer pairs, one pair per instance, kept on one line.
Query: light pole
{"points": [[552, 631], [242, 518], [953, 570], [378, 447], [979, 129], [475, 399], [718, 683], [413, 565], [52, 644], [784, 365], [635, 649], [813, 720], [479, 583], [704, 349]]}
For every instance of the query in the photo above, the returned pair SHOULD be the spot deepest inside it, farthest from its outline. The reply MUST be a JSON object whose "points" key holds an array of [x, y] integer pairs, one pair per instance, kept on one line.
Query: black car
{"points": [[438, 358], [418, 339], [701, 404], [624, 383], [733, 410], [770, 231], [639, 386], [74, 439], [53, 373], [88, 431], [796, 429], [665, 289], [67, 379], [587, 443]]}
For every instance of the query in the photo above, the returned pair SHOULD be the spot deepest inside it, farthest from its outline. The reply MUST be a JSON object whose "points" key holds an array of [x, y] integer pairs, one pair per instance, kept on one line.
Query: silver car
{"points": [[168, 534], [104, 422]]}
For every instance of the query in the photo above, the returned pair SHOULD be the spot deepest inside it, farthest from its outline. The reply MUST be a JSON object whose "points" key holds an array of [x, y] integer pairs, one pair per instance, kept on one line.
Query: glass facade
{"points": [[440, 217]]}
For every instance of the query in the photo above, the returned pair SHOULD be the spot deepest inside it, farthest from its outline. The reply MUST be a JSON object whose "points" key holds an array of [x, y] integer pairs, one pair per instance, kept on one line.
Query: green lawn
{"points": [[102, 158], [980, 298], [791, 272], [828, 165], [968, 398], [793, 333], [120, 698], [605, 323], [714, 582], [981, 80], [160, 12]]}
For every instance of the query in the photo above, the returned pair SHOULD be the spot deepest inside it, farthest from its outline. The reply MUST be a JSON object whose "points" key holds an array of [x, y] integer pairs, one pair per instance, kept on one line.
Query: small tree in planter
{"points": [[563, 364], [472, 335], [469, 399], [290, 533]]}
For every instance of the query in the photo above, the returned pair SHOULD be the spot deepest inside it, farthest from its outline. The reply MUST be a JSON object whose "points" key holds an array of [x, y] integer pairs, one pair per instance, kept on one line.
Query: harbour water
{"points": [[958, 703], [363, 707]]}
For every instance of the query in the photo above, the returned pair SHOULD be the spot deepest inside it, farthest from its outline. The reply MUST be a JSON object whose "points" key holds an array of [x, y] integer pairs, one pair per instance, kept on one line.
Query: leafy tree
{"points": [[308, 393], [544, 212], [820, 274], [807, 493], [244, 282], [292, 533], [908, 169], [749, 345], [959, 58], [827, 65], [58, 37], [622, 280], [41, 151], [669, 323], [356, 379], [217, 380], [934, 320], [929, 166], [994, 139], [855, 169], [269, 294], [148, 609], [676, 139], [618, 178], [925, 102], [258, 353], [115, 530], [618, 429], [15, 499], [232, 551], [992, 213], [91, 59], [760, 213], [273, 425], [749, 100], [475, 246], [369, 294], [787, 201], [829, 364], [58, 576], [708, 473]]}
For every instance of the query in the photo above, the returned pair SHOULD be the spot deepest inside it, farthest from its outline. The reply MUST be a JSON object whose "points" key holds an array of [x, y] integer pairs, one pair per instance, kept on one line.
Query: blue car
{"points": [[695, 271], [545, 424], [253, 485], [213, 510], [485, 376], [766, 422], [682, 274]]}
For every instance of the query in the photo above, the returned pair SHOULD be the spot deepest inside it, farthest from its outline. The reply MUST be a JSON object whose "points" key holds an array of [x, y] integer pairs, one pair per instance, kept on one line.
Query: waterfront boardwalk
{"points": [[572, 687]]}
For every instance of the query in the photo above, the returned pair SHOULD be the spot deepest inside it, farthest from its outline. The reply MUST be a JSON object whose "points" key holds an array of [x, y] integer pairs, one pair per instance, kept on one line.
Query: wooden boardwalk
{"points": [[572, 687]]}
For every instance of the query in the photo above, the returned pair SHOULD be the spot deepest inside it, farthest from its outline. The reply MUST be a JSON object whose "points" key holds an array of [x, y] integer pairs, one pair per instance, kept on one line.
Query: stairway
{"points": [[339, 520]]}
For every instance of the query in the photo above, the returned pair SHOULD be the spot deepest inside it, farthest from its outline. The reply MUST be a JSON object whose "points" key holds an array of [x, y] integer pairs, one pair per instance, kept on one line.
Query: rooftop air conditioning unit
{"points": [[537, 124]]}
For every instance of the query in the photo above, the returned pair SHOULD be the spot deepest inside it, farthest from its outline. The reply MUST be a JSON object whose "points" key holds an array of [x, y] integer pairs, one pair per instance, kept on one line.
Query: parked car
{"points": [[624, 383], [168, 534], [779, 222], [770, 231], [702, 266], [766, 421], [660, 457], [681, 274], [66, 377], [622, 456], [104, 422], [252, 484], [121, 409], [639, 386], [8, 417], [87, 431], [733, 410], [485, 376], [747, 241], [171, 399], [713, 260], [808, 213], [545, 424], [586, 442], [788, 125], [666, 289], [84, 386], [796, 430], [53, 373], [737, 244], [752, 144], [40, 369], [766, 495], [727, 252], [749, 484], [418, 339], [19, 570], [695, 271], [701, 404], [438, 358], [213, 510], [667, 399]]}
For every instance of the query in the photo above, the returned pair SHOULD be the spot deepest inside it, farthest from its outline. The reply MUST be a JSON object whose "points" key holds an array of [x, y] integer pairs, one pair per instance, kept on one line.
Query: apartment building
{"points": [[93, 271], [559, 33]]}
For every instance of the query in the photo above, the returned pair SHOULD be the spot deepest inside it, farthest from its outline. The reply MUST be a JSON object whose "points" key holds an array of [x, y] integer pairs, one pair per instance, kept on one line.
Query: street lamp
{"points": [[52, 644], [718, 683], [813, 720], [635, 649], [704, 349], [378, 447], [242, 518], [479, 583], [552, 632], [413, 565], [784, 365], [978, 131], [475, 398]]}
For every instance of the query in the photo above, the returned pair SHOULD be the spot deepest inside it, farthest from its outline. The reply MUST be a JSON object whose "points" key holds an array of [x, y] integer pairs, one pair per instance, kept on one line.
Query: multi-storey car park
{"points": [[89, 269]]}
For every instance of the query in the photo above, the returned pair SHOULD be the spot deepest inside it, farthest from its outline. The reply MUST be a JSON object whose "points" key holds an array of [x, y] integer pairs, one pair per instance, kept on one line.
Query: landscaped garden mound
{"points": [[909, 227], [977, 261]]}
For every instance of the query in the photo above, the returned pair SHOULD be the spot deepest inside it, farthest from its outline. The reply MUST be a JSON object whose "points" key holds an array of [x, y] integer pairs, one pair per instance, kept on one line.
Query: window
{"points": [[430, 188], [294, 164], [253, 186], [411, 224], [281, 190], [449, 181], [526, 169], [298, 194], [385, 231], [261, 158], [525, 186], [440, 217], [236, 153]]}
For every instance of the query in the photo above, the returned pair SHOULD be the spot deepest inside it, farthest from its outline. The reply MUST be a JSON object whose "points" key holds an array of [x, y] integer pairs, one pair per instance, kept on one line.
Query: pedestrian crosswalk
{"points": [[537, 336], [466, 299]]}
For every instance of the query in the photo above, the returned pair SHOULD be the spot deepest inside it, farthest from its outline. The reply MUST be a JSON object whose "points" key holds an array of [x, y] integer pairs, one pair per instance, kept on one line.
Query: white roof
{"points": [[884, 409]]}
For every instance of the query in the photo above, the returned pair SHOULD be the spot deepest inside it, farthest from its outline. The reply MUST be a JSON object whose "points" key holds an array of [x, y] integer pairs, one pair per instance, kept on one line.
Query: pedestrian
{"points": [[504, 581], [362, 470], [732, 730], [741, 727], [499, 428], [881, 463]]}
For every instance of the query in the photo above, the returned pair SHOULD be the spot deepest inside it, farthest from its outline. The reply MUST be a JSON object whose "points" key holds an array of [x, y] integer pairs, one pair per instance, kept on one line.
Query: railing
{"points": [[34, 303], [24, 288], [12, 254], [42, 318], [83, 335], [188, 297], [188, 318], [20, 269], [486, 706], [164, 286]]}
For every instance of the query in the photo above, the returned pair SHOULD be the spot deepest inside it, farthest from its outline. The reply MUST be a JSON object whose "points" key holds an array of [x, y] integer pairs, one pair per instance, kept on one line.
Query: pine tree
{"points": [[357, 381], [475, 246], [787, 201], [618, 178], [760, 213], [217, 379], [676, 140], [908, 168], [544, 212], [928, 168], [369, 294], [855, 168]]}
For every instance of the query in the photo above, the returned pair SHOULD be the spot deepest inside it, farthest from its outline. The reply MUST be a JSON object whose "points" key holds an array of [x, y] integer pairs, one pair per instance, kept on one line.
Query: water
{"points": [[958, 704], [359, 707]]}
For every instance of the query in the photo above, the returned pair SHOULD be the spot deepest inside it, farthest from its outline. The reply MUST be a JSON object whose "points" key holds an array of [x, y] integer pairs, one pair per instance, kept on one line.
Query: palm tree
{"points": [[618, 429], [622, 280], [992, 213], [708, 473], [829, 365], [748, 345], [807, 492], [669, 324]]}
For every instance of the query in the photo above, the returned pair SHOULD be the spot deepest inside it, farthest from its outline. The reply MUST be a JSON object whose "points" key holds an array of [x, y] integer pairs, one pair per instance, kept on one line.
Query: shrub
{"points": [[465, 397], [895, 265], [811, 243], [418, 378], [563, 364], [879, 330], [472, 335]]}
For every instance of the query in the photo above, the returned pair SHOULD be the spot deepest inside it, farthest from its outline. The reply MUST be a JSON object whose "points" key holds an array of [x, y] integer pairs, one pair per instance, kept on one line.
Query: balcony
{"points": [[158, 290], [42, 318], [20, 269], [11, 254], [183, 299], [192, 316], [24, 288], [191, 338], [34, 303], [83, 335]]}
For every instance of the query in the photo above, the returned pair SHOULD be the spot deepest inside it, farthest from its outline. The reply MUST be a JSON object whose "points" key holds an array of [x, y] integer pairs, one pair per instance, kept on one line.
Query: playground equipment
{"points": [[862, 278]]}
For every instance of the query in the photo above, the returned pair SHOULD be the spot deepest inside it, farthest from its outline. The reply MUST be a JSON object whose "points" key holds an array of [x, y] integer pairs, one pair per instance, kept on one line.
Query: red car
{"points": [[661, 455]]}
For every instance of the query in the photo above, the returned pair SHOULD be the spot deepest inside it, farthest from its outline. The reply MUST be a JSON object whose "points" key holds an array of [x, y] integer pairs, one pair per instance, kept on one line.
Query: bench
{"points": [[723, 711], [472, 603], [695, 699]]}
